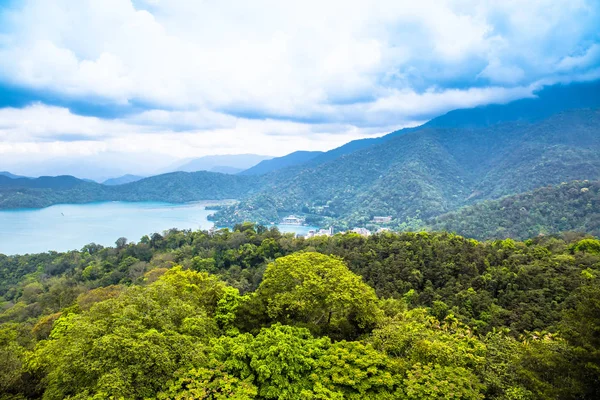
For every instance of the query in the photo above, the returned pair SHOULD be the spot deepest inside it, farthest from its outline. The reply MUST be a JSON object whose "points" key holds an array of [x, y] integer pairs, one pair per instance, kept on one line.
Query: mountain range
{"points": [[176, 187], [227, 164], [97, 167], [417, 174], [430, 171]]}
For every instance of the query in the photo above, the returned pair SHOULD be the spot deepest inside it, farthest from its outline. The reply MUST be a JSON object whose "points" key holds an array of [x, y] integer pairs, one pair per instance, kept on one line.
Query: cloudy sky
{"points": [[147, 81]]}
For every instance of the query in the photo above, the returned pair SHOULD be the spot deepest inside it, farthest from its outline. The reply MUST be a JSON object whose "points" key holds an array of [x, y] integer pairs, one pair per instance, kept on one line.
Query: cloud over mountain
{"points": [[268, 76]]}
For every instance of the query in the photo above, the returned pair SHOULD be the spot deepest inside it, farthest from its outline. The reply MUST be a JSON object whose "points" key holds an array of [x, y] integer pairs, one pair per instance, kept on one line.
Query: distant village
{"points": [[293, 220]]}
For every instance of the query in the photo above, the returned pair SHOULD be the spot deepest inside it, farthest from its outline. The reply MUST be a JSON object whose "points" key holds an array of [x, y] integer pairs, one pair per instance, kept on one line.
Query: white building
{"points": [[292, 220], [382, 220], [320, 232], [361, 231]]}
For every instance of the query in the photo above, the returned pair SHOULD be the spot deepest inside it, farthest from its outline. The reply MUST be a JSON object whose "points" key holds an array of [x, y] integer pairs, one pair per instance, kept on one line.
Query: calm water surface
{"points": [[71, 226]]}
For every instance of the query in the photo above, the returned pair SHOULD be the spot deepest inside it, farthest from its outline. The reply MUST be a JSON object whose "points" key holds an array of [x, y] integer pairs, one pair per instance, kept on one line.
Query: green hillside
{"points": [[179, 187], [573, 206], [430, 171]]}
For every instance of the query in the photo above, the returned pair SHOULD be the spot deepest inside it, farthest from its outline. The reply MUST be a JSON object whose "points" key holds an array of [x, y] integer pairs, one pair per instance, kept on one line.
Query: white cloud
{"points": [[277, 57], [40, 123], [590, 57], [439, 101], [347, 68], [35, 131], [499, 73]]}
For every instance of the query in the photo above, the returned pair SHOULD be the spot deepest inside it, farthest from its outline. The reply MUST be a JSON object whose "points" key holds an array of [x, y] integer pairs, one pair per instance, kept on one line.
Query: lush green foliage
{"points": [[321, 292], [573, 206], [252, 313]]}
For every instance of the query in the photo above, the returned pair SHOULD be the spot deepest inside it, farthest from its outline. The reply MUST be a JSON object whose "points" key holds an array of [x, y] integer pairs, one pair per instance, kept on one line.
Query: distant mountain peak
{"points": [[277, 163], [10, 175], [220, 163], [121, 180]]}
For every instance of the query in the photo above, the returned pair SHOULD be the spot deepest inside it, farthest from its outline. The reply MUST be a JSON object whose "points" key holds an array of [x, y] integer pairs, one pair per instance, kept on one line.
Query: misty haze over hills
{"points": [[228, 164], [100, 167], [457, 159]]}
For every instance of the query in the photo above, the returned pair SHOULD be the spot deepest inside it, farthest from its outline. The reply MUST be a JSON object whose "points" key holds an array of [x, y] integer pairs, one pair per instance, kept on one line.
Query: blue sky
{"points": [[159, 80]]}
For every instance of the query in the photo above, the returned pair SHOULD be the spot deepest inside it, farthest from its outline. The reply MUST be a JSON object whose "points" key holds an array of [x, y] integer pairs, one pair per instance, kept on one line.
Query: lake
{"points": [[66, 227]]}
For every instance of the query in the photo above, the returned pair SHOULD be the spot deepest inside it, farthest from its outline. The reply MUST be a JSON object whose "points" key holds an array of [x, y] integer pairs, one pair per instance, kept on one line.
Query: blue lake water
{"points": [[71, 226]]}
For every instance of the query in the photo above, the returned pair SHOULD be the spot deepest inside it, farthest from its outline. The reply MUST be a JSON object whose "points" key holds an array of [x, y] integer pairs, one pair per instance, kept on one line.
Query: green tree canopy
{"points": [[319, 292], [129, 346]]}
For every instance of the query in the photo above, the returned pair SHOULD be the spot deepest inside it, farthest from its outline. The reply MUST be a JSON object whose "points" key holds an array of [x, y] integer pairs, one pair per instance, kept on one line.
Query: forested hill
{"points": [[254, 314], [174, 187], [44, 182], [46, 191], [430, 171], [181, 187], [573, 206]]}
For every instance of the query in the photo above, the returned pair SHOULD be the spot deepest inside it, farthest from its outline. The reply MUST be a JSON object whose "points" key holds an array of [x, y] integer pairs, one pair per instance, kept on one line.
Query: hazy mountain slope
{"points": [[46, 182], [46, 191], [187, 186], [99, 167], [226, 170], [430, 171], [573, 206], [121, 180], [548, 101], [173, 187], [407, 175], [206, 163], [9, 175], [416, 172], [277, 163]]}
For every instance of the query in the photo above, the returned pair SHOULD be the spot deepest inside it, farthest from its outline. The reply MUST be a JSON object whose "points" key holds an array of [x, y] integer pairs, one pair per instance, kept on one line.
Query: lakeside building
{"points": [[292, 220], [361, 231], [382, 220], [320, 232]]}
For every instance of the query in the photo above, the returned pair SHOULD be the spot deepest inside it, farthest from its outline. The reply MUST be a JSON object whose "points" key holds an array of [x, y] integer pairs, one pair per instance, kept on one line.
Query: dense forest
{"points": [[573, 206], [253, 313]]}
